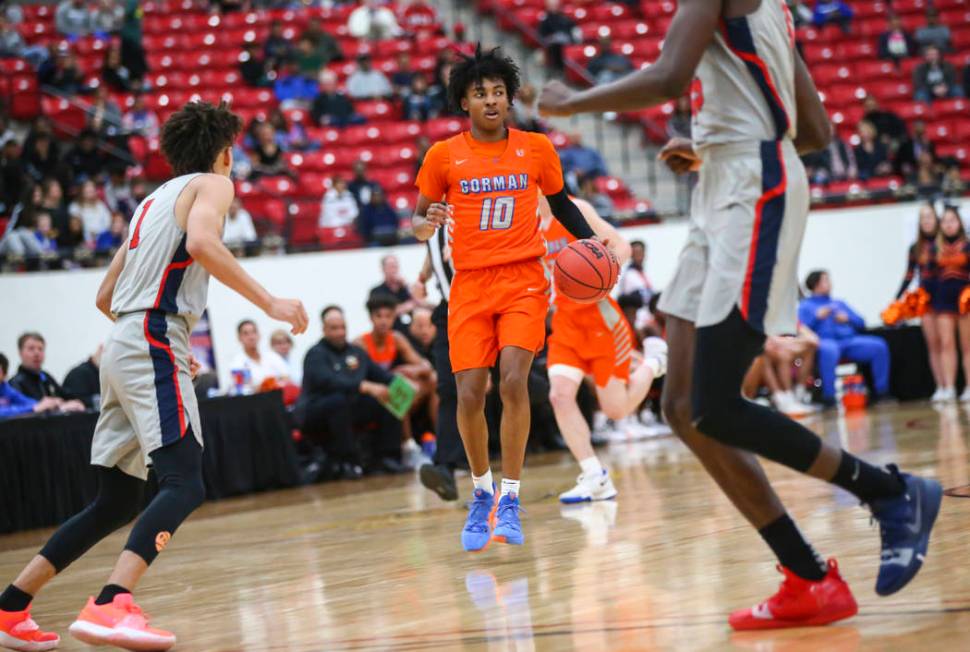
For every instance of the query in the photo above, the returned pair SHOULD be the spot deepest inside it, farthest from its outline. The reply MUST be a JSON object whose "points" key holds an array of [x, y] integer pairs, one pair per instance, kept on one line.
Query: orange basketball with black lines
{"points": [[586, 271]]}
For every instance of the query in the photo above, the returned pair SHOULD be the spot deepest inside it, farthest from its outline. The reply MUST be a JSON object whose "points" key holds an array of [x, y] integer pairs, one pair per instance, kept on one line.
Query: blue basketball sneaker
{"points": [[905, 522], [481, 519], [509, 530]]}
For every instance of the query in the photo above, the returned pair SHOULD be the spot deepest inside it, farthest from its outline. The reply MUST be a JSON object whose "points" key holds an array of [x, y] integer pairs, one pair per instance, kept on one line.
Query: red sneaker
{"points": [[122, 624], [800, 603], [18, 631]]}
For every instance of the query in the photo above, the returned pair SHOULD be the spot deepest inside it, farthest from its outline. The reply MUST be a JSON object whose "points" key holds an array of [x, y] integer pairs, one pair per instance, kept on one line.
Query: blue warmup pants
{"points": [[861, 348]]}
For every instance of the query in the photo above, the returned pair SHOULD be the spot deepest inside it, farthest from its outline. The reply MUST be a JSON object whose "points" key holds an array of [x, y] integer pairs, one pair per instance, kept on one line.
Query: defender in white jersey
{"points": [[755, 109], [155, 290]]}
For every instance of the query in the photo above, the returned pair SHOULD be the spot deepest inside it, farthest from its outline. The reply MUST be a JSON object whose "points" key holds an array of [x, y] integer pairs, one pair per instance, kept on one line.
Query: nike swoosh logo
{"points": [[762, 612], [460, 161]]}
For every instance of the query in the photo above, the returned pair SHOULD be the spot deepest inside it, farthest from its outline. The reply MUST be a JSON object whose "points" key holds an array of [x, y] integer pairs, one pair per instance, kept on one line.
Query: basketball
{"points": [[586, 271]]}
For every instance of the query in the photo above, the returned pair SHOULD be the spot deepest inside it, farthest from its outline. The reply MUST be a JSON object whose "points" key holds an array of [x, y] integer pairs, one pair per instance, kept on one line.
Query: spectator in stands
{"points": [[871, 155], [290, 134], [342, 390], [239, 229], [600, 200], [40, 157], [292, 88], [339, 208], [525, 111], [418, 105], [113, 72], [422, 331], [953, 184], [933, 33], [404, 75], [264, 366], [139, 189], [889, 126], [308, 59], [61, 73], [44, 233], [927, 175], [140, 120], [911, 150], [360, 185], [93, 213], [132, 51], [417, 16], [896, 43], [331, 107], [253, 67], [678, 125], [12, 44], [325, 45], [73, 18], [372, 20], [83, 382], [935, 78], [104, 114], [282, 344], [12, 174], [578, 159], [557, 30], [52, 201], [378, 223], [85, 160], [366, 82], [117, 191], [14, 403], [633, 279], [838, 328], [269, 160], [106, 18], [108, 241], [395, 285], [72, 239], [31, 380], [608, 65], [19, 239], [276, 49], [832, 11]]}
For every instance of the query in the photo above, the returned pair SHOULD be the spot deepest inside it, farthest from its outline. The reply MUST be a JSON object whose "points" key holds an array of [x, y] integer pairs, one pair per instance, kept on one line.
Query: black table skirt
{"points": [[45, 475], [910, 374]]}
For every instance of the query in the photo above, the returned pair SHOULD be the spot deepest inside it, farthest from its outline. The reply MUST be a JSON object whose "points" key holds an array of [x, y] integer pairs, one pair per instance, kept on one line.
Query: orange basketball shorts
{"points": [[495, 307], [596, 339]]}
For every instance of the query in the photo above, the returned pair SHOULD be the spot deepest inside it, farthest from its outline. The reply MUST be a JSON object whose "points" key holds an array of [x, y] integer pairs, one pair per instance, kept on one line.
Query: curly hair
{"points": [[381, 300], [471, 71], [193, 137]]}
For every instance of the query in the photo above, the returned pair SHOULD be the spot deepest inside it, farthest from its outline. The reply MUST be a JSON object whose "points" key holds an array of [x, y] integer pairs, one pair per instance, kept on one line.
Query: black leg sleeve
{"points": [[329, 420]]}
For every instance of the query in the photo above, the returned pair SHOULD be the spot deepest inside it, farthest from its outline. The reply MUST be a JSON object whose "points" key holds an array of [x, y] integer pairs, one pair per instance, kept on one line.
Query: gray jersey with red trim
{"points": [[158, 273], [744, 86]]}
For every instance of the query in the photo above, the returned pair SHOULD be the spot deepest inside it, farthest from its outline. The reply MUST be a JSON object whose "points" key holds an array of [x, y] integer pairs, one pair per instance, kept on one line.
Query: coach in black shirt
{"points": [[32, 381], [342, 388], [83, 382]]}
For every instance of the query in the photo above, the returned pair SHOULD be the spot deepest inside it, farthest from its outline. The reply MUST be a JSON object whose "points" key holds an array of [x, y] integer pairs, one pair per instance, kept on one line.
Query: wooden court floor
{"points": [[377, 565]]}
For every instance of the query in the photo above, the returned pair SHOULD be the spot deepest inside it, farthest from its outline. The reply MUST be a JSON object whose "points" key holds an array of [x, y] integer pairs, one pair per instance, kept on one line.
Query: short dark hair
{"points": [[245, 322], [638, 243], [326, 311], [4, 364], [29, 335], [195, 134], [813, 279], [380, 301], [472, 70]]}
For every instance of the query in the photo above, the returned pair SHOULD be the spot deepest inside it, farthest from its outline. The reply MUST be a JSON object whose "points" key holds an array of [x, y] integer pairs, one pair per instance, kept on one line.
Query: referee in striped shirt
{"points": [[439, 476]]}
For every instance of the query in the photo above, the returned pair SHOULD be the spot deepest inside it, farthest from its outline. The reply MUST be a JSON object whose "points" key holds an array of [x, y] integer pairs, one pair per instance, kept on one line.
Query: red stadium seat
{"points": [[266, 208], [955, 107], [441, 128], [312, 185], [393, 180], [377, 110], [341, 237]]}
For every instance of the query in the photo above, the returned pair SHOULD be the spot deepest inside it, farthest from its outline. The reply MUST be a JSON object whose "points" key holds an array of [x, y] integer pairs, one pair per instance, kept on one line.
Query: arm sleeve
{"points": [[910, 273], [432, 181], [569, 215], [320, 378]]}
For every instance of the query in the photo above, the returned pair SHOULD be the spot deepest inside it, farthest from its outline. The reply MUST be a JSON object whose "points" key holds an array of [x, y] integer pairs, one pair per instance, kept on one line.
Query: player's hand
{"points": [[375, 390], [194, 366], [291, 311], [419, 291], [72, 406], [679, 156], [554, 99], [46, 404], [439, 214]]}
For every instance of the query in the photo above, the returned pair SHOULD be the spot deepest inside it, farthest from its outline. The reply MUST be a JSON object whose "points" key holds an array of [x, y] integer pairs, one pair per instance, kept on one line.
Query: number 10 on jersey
{"points": [[497, 213]]}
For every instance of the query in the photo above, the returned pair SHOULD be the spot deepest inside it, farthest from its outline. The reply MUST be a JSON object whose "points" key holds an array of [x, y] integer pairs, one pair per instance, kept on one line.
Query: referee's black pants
{"points": [[450, 451]]}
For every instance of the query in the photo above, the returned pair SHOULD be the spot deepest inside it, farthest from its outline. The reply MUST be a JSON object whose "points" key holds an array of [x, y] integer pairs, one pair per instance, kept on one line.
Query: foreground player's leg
{"points": [[117, 502], [471, 385], [743, 481], [113, 618], [905, 506], [514, 366]]}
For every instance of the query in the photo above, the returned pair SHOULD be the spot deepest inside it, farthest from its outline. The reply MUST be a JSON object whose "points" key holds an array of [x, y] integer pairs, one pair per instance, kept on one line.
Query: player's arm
{"points": [[107, 289], [605, 231], [569, 215], [814, 127], [428, 217], [689, 34], [213, 195]]}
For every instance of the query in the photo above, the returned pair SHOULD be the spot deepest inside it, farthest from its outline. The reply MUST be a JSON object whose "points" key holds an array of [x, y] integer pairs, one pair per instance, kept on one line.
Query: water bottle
{"points": [[429, 444]]}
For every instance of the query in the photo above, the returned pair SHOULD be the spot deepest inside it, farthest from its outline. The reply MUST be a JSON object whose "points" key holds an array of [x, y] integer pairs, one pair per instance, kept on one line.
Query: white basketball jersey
{"points": [[159, 274], [744, 88]]}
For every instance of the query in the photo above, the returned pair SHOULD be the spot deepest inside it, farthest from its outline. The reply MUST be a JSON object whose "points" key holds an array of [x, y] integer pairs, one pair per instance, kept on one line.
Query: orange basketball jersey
{"points": [[493, 188]]}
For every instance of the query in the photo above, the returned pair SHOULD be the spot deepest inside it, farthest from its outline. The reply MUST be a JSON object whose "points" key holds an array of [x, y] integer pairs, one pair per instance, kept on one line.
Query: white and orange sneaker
{"points": [[18, 631], [800, 603], [122, 624]]}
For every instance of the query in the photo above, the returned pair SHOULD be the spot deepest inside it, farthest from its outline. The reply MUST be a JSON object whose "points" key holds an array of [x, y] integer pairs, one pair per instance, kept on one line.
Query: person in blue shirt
{"points": [[838, 326], [15, 404]]}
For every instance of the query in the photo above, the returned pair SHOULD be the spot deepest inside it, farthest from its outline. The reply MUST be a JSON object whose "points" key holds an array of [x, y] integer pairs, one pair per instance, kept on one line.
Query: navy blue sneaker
{"points": [[509, 529], [905, 523], [481, 519]]}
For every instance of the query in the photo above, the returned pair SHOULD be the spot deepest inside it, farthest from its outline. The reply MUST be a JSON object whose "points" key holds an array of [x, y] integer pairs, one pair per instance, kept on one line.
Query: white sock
{"points": [[591, 467], [484, 482], [510, 487]]}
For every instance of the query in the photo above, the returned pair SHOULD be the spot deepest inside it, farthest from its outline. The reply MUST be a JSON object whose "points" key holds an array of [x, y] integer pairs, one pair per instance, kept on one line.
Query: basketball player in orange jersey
{"points": [[755, 108], [484, 185], [593, 339]]}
